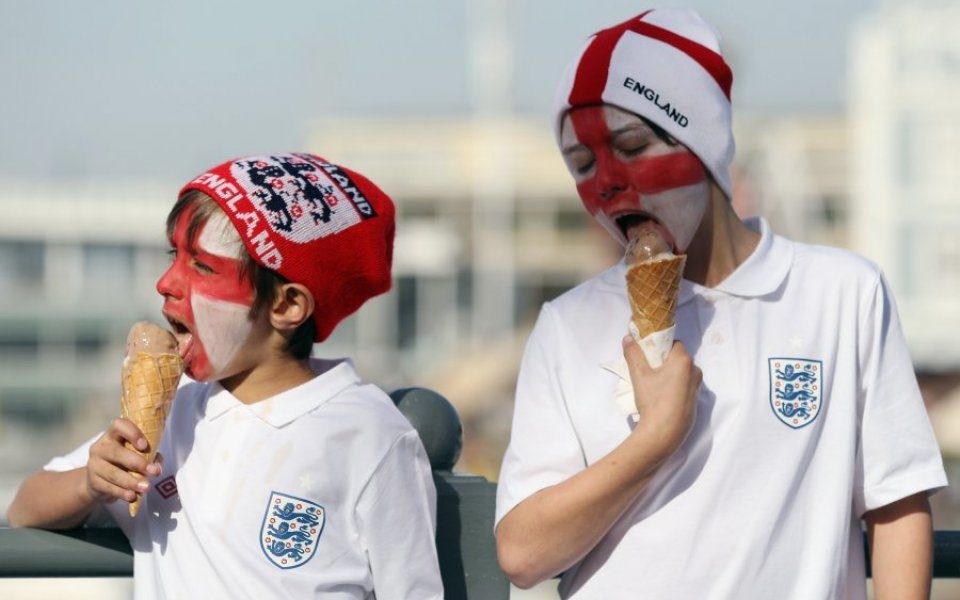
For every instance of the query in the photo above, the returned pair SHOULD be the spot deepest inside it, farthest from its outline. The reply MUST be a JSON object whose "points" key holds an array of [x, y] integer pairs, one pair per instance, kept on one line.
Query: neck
{"points": [[276, 374], [720, 245]]}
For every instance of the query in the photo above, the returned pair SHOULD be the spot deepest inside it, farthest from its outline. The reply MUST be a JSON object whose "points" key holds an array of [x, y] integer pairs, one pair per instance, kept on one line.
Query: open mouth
{"points": [[182, 334], [634, 222]]}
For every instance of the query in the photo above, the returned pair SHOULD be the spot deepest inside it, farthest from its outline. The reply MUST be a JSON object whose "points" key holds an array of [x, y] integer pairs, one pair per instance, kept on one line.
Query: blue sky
{"points": [[120, 89]]}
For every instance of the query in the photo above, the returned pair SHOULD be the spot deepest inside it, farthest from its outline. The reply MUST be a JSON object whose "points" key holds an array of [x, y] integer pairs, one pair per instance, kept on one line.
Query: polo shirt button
{"points": [[717, 338]]}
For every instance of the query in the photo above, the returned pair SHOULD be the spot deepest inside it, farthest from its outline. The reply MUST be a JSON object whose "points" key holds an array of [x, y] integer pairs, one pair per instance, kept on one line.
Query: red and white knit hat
{"points": [[666, 66], [313, 222]]}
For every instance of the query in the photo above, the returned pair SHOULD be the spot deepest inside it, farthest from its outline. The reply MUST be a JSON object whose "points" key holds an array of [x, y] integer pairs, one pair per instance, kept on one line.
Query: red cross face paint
{"points": [[206, 297], [628, 178]]}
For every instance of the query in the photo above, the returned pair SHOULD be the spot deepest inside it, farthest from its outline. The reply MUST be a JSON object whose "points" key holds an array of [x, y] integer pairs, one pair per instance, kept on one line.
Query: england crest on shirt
{"points": [[290, 530], [796, 386]]}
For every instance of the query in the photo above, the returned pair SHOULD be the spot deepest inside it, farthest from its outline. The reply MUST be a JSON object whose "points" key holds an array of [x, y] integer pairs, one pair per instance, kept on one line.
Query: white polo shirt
{"points": [[323, 491], [808, 416]]}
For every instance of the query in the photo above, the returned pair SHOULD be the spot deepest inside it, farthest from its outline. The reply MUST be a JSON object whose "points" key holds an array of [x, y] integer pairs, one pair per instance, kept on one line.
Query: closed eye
{"points": [[634, 151], [202, 267], [584, 168]]}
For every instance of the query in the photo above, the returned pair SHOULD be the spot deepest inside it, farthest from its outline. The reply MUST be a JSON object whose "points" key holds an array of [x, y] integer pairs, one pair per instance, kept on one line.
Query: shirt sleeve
{"points": [[544, 449], [397, 515], [102, 515], [898, 454]]}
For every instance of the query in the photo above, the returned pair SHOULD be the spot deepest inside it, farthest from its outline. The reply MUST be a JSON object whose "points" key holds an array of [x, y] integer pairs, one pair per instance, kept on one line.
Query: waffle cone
{"points": [[653, 287], [149, 385]]}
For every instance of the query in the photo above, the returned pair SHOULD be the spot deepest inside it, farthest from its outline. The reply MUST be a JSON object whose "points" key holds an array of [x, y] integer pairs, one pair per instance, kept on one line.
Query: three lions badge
{"points": [[290, 530], [796, 386]]}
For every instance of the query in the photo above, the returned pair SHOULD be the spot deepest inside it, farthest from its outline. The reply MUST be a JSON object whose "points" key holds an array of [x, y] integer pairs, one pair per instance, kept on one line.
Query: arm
{"points": [[54, 500], [555, 527], [901, 548], [397, 514], [60, 500]]}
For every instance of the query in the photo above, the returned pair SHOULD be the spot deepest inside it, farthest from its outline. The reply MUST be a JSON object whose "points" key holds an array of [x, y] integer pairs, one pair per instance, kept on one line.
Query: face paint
{"points": [[220, 238], [622, 168], [222, 327], [206, 300]]}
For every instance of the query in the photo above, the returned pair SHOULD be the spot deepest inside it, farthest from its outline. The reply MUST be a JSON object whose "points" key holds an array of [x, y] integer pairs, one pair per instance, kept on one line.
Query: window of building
{"points": [[21, 262], [108, 267]]}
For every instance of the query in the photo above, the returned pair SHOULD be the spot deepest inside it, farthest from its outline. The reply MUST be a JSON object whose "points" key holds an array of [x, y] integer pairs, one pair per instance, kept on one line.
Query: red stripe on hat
{"points": [[711, 62], [591, 77], [594, 65]]}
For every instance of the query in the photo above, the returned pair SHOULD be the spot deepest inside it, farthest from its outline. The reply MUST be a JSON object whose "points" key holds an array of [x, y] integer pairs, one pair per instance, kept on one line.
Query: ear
{"points": [[293, 305]]}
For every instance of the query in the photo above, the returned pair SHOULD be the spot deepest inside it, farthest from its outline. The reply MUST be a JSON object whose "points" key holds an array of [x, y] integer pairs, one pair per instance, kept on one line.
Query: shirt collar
{"points": [[333, 377], [762, 273]]}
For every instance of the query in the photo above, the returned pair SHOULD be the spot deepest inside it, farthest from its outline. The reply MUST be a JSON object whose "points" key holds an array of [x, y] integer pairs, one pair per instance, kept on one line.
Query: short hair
{"points": [[266, 283]]}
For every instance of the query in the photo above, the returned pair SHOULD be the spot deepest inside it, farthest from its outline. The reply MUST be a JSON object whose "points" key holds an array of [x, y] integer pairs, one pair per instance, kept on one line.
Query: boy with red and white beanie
{"points": [[283, 476], [786, 411]]}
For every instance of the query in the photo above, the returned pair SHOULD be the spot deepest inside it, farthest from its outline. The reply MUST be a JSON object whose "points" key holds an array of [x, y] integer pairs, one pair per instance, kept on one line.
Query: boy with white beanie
{"points": [[786, 412]]}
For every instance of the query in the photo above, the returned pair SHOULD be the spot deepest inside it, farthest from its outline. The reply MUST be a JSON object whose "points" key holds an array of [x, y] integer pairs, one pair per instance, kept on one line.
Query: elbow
{"points": [[518, 564], [15, 518]]}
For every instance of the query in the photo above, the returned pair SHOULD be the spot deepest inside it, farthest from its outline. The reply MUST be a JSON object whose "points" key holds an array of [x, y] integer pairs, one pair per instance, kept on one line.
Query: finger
{"points": [[122, 479], [155, 469], [677, 349], [636, 359], [126, 430], [122, 457], [113, 492]]}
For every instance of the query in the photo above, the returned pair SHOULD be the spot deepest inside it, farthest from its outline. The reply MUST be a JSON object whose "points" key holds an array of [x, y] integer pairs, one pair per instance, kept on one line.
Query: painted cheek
{"points": [[591, 130], [589, 195], [655, 174], [228, 284], [221, 329], [219, 305]]}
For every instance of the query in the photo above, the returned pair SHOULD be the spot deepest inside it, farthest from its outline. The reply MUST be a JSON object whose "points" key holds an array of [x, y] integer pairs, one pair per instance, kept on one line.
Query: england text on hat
{"points": [[654, 97]]}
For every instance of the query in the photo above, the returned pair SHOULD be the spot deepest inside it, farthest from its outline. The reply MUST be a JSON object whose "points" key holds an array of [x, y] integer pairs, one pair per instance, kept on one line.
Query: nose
{"points": [[611, 177], [169, 284]]}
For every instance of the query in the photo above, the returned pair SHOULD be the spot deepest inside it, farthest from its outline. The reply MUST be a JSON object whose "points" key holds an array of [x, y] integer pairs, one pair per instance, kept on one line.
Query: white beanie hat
{"points": [[664, 65]]}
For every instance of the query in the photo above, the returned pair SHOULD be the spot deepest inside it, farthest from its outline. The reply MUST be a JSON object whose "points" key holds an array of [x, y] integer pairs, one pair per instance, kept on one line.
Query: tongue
{"points": [[184, 342]]}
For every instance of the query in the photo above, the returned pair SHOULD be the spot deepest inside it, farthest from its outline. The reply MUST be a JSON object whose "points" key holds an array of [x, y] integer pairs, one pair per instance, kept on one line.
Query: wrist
{"points": [[85, 492], [658, 442], [648, 449]]}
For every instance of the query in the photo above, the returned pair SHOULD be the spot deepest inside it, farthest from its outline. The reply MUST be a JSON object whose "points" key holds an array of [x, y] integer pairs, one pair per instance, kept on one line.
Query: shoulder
{"points": [[365, 413], [605, 287], [828, 265]]}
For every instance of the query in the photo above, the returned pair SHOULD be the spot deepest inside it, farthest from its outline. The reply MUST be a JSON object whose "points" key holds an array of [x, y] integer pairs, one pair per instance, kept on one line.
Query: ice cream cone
{"points": [[151, 372], [653, 287]]}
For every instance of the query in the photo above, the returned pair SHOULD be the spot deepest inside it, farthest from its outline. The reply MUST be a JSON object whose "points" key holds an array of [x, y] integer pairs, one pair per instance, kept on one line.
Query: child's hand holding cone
{"points": [[151, 371]]}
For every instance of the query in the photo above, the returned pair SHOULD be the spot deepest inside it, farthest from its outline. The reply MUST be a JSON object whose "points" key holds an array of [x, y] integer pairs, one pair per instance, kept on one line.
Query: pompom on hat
{"points": [[311, 221], [664, 65]]}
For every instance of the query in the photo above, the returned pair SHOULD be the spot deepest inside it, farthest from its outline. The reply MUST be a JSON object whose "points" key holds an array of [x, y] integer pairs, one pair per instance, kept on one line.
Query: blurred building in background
{"points": [[77, 268], [904, 112]]}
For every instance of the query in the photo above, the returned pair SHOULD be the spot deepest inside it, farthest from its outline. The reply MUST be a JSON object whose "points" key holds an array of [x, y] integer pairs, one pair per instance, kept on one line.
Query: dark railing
{"points": [[465, 505]]}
